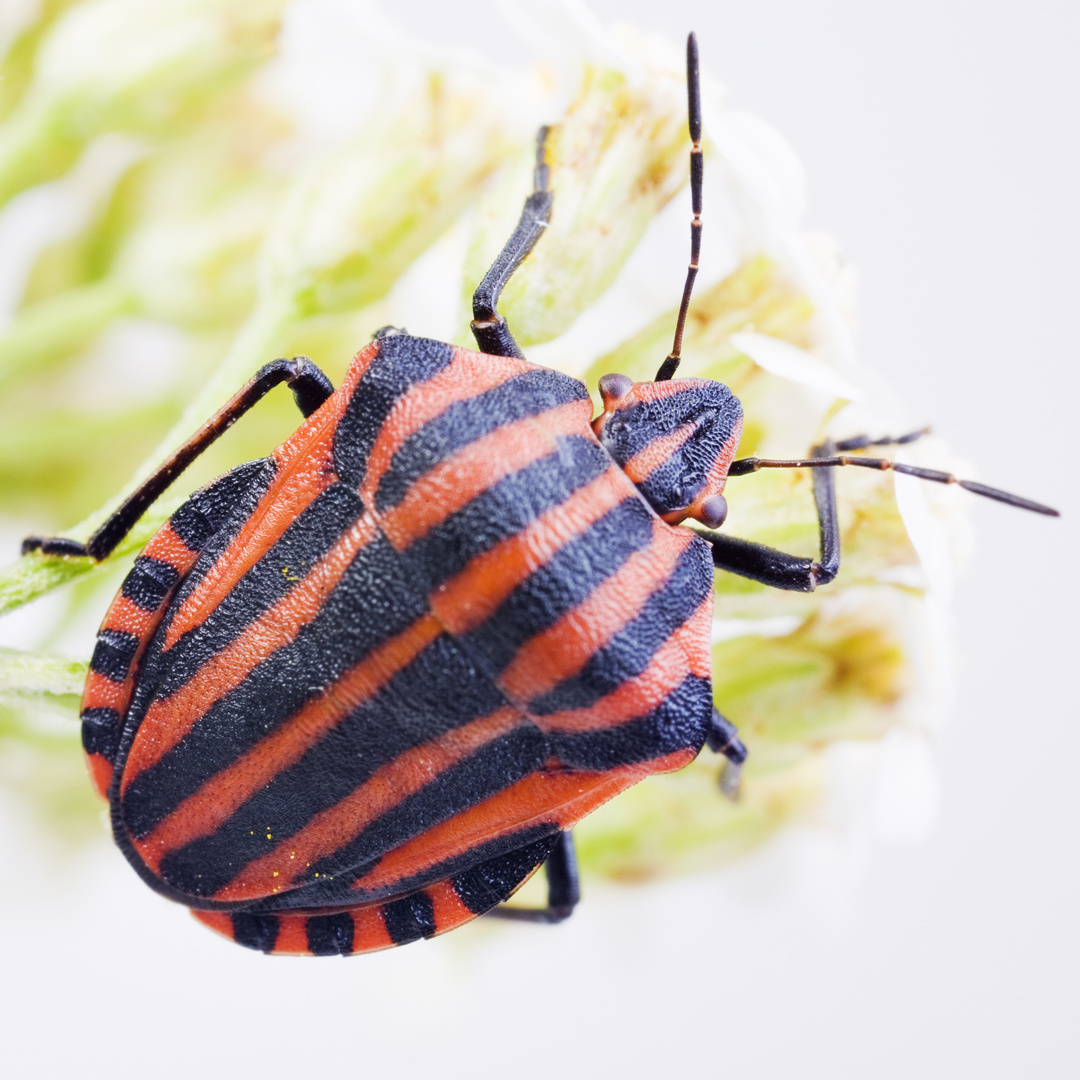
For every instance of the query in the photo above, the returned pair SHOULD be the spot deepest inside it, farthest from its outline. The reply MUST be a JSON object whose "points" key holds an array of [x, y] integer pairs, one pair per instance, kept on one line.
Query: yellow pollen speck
{"points": [[275, 873], [269, 836]]}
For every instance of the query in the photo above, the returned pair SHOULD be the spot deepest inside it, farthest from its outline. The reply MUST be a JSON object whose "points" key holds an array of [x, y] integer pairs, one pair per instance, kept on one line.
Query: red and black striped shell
{"points": [[349, 695]]}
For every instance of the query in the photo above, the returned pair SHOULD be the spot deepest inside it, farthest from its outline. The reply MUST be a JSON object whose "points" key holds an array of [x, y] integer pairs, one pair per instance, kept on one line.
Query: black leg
{"points": [[563, 889], [775, 568], [488, 326], [861, 442], [723, 738], [310, 387]]}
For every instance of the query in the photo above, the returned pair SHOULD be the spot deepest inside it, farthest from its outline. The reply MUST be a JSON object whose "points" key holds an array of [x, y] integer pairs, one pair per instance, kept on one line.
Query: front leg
{"points": [[492, 334], [310, 389], [778, 569]]}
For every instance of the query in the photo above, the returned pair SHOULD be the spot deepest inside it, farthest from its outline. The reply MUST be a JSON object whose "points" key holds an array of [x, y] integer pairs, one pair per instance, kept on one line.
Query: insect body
{"points": [[434, 629], [358, 692]]}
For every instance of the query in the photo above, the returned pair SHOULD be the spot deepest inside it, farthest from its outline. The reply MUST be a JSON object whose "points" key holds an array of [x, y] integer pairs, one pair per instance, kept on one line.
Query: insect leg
{"points": [[488, 326], [310, 388], [723, 738], [778, 569], [782, 571], [861, 442], [564, 890]]}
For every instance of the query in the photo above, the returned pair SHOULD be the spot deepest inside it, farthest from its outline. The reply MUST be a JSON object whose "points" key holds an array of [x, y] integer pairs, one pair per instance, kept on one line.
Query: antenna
{"points": [[830, 459], [697, 173]]}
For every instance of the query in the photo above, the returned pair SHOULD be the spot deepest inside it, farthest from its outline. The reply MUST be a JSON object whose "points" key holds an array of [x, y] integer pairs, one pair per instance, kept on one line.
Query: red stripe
{"points": [[369, 930], [388, 786], [475, 468], [102, 693], [647, 460], [467, 375], [448, 909], [101, 773], [219, 798], [472, 595], [169, 719], [166, 546], [305, 468], [682, 654], [292, 936], [557, 798], [563, 649]]}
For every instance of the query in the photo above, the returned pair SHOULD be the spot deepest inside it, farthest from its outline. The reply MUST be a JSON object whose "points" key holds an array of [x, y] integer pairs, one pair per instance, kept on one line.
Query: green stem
{"points": [[33, 149], [23, 673]]}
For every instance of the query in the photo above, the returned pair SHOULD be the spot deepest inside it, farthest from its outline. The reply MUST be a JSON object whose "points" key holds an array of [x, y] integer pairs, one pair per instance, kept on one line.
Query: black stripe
{"points": [[409, 918], [715, 414], [223, 507], [672, 485], [491, 882], [463, 422], [630, 651], [559, 586], [709, 404], [149, 582], [679, 479], [439, 691], [679, 722], [493, 768], [402, 361], [371, 603], [208, 509], [256, 931], [100, 731], [284, 565], [113, 653], [330, 935], [192, 526], [504, 509]]}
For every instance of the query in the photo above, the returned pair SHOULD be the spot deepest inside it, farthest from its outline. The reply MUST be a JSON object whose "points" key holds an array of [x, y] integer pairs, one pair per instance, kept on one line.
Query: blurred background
{"points": [[940, 148]]}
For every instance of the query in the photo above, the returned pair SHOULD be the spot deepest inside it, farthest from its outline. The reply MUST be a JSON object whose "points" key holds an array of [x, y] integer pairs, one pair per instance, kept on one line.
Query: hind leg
{"points": [[564, 891]]}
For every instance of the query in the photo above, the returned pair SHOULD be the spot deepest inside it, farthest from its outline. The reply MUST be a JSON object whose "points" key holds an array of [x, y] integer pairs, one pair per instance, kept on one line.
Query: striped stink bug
{"points": [[356, 693]]}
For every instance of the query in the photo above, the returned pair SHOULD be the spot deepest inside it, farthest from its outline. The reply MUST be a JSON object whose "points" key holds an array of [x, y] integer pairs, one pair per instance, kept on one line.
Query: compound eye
{"points": [[613, 386], [713, 512]]}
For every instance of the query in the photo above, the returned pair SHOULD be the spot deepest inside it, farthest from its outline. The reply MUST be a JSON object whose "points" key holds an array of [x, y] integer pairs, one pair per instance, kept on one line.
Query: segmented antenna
{"points": [[697, 173], [828, 460]]}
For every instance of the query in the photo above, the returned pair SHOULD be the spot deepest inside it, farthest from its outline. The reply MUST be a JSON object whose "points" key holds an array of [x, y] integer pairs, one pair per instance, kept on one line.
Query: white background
{"points": [[940, 140]]}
